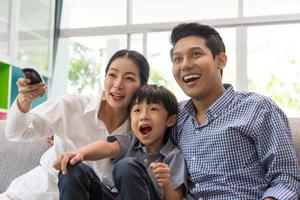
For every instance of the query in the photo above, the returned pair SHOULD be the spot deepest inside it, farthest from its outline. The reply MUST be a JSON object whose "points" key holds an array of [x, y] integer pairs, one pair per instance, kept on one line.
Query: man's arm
{"points": [[276, 152], [93, 151]]}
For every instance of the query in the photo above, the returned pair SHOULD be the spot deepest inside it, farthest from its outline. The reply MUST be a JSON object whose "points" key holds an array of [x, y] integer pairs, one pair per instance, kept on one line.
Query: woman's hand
{"points": [[63, 159], [28, 92]]}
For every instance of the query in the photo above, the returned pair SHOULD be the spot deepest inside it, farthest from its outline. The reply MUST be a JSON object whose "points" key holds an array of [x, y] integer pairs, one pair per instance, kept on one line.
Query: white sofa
{"points": [[18, 158]]}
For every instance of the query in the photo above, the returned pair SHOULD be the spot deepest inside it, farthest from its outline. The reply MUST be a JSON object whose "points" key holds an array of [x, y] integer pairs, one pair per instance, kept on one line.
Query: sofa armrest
{"points": [[17, 158]]}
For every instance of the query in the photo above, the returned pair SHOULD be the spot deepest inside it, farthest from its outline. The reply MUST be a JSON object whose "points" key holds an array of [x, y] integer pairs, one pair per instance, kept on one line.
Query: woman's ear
{"points": [[221, 60], [171, 120]]}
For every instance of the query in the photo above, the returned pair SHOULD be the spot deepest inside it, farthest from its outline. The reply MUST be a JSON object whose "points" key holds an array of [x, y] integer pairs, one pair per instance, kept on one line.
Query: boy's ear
{"points": [[171, 120], [221, 60]]}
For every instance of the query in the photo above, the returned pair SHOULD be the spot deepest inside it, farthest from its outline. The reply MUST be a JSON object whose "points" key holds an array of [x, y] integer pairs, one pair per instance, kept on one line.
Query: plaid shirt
{"points": [[243, 151]]}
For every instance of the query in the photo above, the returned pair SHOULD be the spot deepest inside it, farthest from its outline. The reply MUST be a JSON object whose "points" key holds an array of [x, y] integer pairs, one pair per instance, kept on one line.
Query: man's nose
{"points": [[186, 63]]}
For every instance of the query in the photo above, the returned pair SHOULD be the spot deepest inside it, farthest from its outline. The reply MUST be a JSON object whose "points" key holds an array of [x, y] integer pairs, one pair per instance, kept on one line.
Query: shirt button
{"points": [[145, 160], [193, 158], [197, 185]]}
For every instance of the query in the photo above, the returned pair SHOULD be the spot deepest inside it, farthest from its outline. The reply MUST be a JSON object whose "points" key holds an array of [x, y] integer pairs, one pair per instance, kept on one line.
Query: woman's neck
{"points": [[113, 118]]}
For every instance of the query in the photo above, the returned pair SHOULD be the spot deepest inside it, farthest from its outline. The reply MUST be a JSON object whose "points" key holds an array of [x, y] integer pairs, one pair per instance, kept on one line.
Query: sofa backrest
{"points": [[295, 127], [17, 158]]}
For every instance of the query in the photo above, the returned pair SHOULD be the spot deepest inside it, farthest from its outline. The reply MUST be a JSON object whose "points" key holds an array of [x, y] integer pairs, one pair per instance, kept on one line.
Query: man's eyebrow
{"points": [[189, 50]]}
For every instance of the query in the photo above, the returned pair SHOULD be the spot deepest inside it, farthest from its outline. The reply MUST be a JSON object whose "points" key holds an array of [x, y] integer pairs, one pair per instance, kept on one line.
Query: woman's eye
{"points": [[129, 78], [111, 75]]}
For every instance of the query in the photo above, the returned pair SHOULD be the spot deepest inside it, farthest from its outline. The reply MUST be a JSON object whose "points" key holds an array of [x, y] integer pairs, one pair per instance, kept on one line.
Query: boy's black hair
{"points": [[156, 94], [137, 59], [212, 38]]}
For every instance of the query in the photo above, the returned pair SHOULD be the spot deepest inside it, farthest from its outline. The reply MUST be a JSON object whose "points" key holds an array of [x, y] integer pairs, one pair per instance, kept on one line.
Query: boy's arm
{"points": [[93, 151], [162, 174]]}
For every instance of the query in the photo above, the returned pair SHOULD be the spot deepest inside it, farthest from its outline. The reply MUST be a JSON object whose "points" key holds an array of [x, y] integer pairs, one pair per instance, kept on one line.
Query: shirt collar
{"points": [[94, 104], [214, 110], [222, 103], [167, 148]]}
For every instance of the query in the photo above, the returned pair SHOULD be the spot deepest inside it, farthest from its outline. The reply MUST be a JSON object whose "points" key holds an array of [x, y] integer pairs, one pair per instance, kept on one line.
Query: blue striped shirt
{"points": [[243, 151]]}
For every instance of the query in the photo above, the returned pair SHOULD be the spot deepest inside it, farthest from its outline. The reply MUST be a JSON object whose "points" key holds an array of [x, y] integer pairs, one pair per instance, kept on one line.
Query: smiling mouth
{"points": [[145, 129], [191, 78], [116, 95]]}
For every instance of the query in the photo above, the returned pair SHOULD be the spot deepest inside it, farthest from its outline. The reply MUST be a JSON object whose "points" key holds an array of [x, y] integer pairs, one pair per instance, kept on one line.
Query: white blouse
{"points": [[73, 121]]}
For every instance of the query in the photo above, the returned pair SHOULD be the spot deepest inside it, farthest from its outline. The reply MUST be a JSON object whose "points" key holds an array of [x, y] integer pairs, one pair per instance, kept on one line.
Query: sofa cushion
{"points": [[295, 127], [17, 158]]}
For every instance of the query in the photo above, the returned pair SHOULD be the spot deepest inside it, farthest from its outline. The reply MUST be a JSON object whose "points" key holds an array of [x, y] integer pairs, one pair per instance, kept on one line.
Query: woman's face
{"points": [[121, 81]]}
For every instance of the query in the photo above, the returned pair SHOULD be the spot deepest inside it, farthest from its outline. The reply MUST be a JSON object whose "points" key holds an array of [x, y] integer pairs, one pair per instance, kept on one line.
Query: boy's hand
{"points": [[63, 159], [162, 174]]}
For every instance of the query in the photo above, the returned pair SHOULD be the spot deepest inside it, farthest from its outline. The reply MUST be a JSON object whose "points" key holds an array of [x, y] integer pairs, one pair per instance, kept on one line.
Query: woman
{"points": [[75, 120]]}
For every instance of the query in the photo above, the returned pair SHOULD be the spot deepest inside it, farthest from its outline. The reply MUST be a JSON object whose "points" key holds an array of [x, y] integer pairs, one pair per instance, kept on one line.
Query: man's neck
{"points": [[202, 104]]}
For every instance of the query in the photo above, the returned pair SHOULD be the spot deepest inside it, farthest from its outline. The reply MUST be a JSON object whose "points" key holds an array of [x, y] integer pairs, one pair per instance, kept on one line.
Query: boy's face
{"points": [[195, 69], [149, 123]]}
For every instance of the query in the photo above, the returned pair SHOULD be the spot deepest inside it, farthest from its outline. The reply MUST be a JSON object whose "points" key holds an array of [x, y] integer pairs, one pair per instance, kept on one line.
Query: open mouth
{"points": [[145, 129], [117, 95], [191, 78]]}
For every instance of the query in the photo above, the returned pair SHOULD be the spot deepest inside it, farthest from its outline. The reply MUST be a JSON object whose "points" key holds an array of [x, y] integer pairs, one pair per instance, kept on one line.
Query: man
{"points": [[237, 145]]}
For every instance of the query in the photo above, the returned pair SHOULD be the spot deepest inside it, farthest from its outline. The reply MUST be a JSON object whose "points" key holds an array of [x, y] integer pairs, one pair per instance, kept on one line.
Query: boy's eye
{"points": [[153, 108], [135, 110]]}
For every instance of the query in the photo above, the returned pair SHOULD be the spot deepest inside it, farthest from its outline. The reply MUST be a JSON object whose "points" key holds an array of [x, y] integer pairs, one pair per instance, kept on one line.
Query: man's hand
{"points": [[162, 174], [63, 159]]}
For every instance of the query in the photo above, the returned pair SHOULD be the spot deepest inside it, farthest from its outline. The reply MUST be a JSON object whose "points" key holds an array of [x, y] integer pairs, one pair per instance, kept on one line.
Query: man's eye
{"points": [[176, 59], [196, 54]]}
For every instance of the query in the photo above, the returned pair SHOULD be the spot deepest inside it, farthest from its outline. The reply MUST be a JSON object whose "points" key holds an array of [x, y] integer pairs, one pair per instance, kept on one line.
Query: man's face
{"points": [[195, 69]]}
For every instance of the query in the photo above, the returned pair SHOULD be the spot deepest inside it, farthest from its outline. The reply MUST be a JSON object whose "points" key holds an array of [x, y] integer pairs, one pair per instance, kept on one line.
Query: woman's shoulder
{"points": [[74, 100]]}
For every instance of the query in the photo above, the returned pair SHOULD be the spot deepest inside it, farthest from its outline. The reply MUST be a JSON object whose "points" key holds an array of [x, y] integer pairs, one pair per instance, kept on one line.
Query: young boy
{"points": [[146, 160]]}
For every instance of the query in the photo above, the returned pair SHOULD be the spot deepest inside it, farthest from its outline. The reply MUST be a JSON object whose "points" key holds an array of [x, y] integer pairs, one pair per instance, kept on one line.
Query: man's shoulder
{"points": [[254, 99]]}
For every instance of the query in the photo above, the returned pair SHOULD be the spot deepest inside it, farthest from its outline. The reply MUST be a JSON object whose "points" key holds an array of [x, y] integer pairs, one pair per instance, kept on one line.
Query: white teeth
{"points": [[117, 95], [186, 78]]}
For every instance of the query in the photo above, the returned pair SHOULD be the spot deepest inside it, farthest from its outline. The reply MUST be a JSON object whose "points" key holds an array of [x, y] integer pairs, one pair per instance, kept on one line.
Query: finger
{"points": [[155, 165], [57, 162], [64, 163], [76, 159]]}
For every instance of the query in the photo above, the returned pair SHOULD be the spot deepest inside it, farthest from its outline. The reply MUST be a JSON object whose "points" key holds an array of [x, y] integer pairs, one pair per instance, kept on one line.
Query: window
{"points": [[34, 33], [87, 62], [93, 13], [154, 11], [274, 64], [270, 7], [4, 24]]}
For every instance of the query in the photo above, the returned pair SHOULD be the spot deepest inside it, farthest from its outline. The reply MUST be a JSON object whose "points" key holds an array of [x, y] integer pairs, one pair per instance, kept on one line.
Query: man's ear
{"points": [[171, 120], [221, 60]]}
